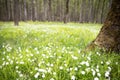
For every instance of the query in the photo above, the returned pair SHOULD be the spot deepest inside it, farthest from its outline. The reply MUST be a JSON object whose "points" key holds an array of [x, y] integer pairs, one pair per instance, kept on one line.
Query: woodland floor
{"points": [[52, 51]]}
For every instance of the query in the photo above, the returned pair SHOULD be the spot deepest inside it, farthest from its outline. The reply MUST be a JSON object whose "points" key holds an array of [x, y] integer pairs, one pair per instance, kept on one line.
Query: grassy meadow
{"points": [[53, 51]]}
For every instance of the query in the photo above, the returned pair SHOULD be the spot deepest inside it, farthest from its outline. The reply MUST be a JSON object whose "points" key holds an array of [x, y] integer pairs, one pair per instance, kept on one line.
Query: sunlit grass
{"points": [[52, 51]]}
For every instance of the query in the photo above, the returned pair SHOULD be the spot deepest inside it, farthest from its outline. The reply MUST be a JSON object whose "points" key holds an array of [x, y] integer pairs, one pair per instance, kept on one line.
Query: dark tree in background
{"points": [[16, 12], [66, 12], [109, 36]]}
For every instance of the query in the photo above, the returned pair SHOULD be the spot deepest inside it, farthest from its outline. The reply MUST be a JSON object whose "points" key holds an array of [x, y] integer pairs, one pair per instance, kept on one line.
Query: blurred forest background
{"points": [[83, 11]]}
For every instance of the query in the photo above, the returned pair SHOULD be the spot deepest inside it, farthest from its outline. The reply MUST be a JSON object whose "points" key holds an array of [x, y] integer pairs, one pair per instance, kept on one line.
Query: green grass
{"points": [[52, 51]]}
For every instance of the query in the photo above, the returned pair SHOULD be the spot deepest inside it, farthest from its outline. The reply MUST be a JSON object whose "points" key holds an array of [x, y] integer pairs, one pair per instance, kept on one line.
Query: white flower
{"points": [[21, 75], [93, 72], [61, 67], [3, 59], [27, 50], [97, 70], [88, 58], [31, 54], [37, 52], [101, 62], [71, 69], [108, 63], [83, 72], [76, 69], [52, 79], [98, 53], [21, 62], [36, 68], [54, 73], [87, 69], [107, 73], [49, 70], [74, 57], [11, 62], [96, 78], [51, 65], [73, 77], [99, 74], [43, 75], [16, 67], [65, 65], [87, 64], [43, 55], [36, 75], [116, 63], [7, 63], [42, 70], [83, 62], [109, 69]]}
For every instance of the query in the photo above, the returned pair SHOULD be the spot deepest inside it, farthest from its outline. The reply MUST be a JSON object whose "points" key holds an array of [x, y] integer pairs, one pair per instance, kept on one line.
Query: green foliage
{"points": [[52, 51]]}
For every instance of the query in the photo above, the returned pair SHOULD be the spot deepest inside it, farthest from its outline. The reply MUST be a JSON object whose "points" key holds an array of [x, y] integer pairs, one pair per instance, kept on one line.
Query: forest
{"points": [[59, 39], [83, 11]]}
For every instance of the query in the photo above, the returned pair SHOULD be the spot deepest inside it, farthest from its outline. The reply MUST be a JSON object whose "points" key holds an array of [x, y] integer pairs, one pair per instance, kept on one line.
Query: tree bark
{"points": [[109, 35], [16, 12], [67, 11]]}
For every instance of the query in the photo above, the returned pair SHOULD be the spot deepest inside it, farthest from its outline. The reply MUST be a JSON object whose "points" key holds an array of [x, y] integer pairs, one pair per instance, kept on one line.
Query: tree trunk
{"points": [[16, 12], [109, 36], [67, 11]]}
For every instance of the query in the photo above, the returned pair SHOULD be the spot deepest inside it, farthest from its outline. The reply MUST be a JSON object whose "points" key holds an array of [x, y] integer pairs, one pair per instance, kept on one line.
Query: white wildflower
{"points": [[42, 70], [7, 63], [36, 68], [93, 72], [96, 78], [109, 69], [108, 63], [83, 72], [73, 77], [21, 62], [16, 67], [43, 75], [51, 65], [99, 74], [61, 67], [87, 64], [54, 73], [74, 57], [88, 58], [97, 70], [21, 75], [52, 79], [101, 62], [36, 75], [107, 73], [71, 69], [49, 70], [43, 55], [76, 69], [3, 59], [116, 63], [87, 69], [98, 53]]}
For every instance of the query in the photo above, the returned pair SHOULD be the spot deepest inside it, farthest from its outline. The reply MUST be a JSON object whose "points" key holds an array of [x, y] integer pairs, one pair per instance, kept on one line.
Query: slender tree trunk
{"points": [[25, 10], [16, 12], [67, 11], [50, 11], [109, 36]]}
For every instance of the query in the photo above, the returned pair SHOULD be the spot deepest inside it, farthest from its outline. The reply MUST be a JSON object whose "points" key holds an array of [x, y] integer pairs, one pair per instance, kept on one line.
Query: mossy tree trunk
{"points": [[109, 35]]}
